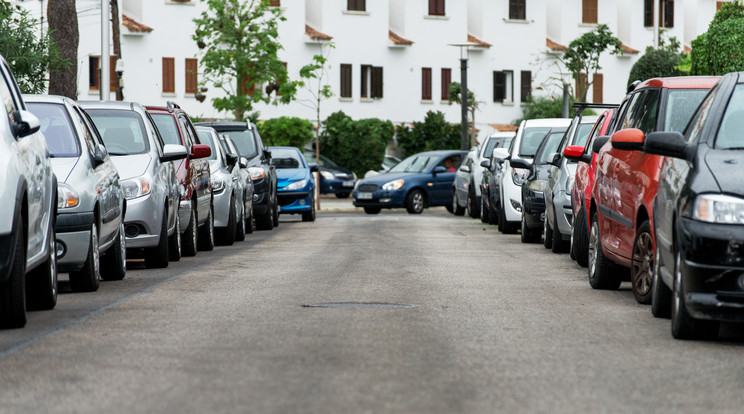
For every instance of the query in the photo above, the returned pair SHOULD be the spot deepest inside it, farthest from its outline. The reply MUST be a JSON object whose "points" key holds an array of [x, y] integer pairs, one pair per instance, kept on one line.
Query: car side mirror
{"points": [[314, 168], [669, 144], [556, 160], [629, 139], [25, 124], [99, 155], [520, 163], [231, 159], [243, 162], [576, 153], [500, 154], [200, 151], [486, 164], [438, 170], [599, 143], [465, 168], [172, 152], [267, 154]]}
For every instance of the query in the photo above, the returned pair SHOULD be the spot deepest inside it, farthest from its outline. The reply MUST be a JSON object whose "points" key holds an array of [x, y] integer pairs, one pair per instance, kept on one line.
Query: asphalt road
{"points": [[409, 314]]}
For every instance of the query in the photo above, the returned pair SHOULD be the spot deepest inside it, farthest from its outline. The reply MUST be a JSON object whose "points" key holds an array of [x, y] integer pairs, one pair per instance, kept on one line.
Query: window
{"points": [[436, 7], [597, 88], [446, 80], [666, 10], [356, 5], [275, 3], [246, 86], [94, 73], [589, 11], [169, 78], [191, 71], [345, 80], [719, 4], [503, 86], [371, 81], [426, 84], [517, 9], [525, 86]]}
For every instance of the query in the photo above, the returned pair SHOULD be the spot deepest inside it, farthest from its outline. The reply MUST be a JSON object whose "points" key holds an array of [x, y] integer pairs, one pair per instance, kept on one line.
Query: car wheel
{"points": [[558, 245], [226, 236], [158, 256], [342, 195], [470, 207], [41, 283], [12, 296], [602, 272], [114, 262], [206, 233], [661, 296], [580, 236], [493, 214], [189, 240], [240, 224], [310, 215], [503, 225], [372, 210], [87, 279], [174, 242], [684, 326], [484, 210], [547, 234], [266, 221], [275, 217], [415, 202], [456, 209], [249, 227], [642, 264], [528, 236]]}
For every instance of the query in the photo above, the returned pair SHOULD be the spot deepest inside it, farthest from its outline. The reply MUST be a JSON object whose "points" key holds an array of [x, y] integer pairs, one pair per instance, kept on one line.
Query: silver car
{"points": [[90, 204], [227, 188], [148, 179], [247, 182]]}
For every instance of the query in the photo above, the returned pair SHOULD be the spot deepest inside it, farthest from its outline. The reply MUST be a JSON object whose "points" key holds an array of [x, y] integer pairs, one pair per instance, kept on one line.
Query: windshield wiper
{"points": [[118, 153]]}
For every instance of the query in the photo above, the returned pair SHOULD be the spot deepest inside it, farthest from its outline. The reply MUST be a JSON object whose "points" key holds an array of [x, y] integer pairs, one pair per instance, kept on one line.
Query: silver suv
{"points": [[148, 179], [29, 188]]}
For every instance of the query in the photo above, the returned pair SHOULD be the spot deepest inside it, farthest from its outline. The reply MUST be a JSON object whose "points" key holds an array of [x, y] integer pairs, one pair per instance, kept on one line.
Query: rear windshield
{"points": [[549, 147], [168, 128], [57, 129], [245, 141], [531, 139], [286, 158], [681, 104], [123, 132]]}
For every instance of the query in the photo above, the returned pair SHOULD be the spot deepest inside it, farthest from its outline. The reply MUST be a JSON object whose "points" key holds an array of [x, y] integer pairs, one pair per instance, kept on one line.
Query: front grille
{"points": [[343, 176], [367, 188]]}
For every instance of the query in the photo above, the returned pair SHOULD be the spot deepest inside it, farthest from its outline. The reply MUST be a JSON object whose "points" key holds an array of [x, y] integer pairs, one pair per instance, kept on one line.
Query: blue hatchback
{"points": [[294, 182], [419, 181]]}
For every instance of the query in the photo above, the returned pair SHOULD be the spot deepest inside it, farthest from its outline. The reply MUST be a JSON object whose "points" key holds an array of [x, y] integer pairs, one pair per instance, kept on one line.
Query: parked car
{"points": [[490, 191], [419, 181], [296, 186], [389, 162], [91, 243], [247, 183], [533, 200], [334, 179], [195, 208], [626, 181], [529, 136], [227, 189], [263, 173], [148, 179], [28, 266]]}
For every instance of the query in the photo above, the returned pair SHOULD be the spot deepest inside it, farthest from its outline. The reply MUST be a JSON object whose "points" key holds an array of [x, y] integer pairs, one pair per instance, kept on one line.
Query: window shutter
{"points": [[191, 75], [499, 86], [436, 7], [525, 86], [668, 13], [345, 80], [517, 9], [377, 82], [358, 5], [93, 81], [597, 88], [426, 84], [648, 13], [275, 3], [113, 80], [719, 4], [169, 84], [446, 80], [589, 11]]}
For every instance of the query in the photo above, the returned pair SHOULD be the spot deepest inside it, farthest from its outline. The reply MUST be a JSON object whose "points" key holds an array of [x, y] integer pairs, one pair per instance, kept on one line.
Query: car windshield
{"points": [[416, 163], [206, 138], [284, 158], [582, 134], [681, 104], [57, 129], [389, 162], [168, 128], [324, 161], [531, 139], [123, 131], [492, 143], [549, 147], [730, 131], [245, 141]]}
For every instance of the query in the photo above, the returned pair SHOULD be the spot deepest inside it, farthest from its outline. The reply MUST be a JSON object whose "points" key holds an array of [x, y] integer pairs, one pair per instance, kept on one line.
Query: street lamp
{"points": [[464, 51]]}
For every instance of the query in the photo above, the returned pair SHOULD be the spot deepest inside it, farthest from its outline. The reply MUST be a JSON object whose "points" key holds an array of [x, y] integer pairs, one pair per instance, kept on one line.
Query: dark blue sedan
{"points": [[295, 184], [419, 181]]}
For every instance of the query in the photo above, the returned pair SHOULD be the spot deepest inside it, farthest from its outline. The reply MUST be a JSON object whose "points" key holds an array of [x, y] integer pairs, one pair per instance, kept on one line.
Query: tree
{"points": [[454, 96], [30, 56], [582, 56], [434, 133], [239, 43], [721, 49], [357, 145], [655, 63], [63, 28], [286, 131]]}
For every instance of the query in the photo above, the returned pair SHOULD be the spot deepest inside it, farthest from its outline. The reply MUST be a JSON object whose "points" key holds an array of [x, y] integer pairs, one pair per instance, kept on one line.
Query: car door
{"points": [[201, 166], [164, 171], [440, 192]]}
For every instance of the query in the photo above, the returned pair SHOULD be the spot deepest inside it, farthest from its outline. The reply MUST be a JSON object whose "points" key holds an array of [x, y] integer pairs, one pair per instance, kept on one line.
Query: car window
{"points": [[11, 94], [730, 131], [630, 117], [284, 158], [549, 147], [324, 161], [531, 139], [594, 134], [7, 98], [153, 129], [122, 131], [206, 138], [57, 129], [88, 136], [648, 111], [488, 146], [695, 127], [417, 163], [191, 137], [167, 127], [245, 141], [582, 134], [681, 104]]}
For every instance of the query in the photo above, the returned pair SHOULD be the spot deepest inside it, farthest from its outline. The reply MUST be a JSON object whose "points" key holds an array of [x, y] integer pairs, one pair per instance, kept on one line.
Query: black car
{"points": [[490, 192], [334, 179], [262, 171], [533, 200], [699, 216]]}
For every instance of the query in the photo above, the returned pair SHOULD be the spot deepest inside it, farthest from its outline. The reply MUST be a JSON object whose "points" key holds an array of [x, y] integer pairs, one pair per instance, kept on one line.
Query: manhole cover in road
{"points": [[357, 305]]}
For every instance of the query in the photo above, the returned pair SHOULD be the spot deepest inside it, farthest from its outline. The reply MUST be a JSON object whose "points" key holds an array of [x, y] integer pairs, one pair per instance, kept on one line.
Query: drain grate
{"points": [[357, 305]]}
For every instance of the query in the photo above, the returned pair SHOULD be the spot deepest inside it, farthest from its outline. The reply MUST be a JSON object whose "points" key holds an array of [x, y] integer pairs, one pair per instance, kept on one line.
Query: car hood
{"points": [[285, 176], [721, 164], [383, 178], [63, 166], [130, 166]]}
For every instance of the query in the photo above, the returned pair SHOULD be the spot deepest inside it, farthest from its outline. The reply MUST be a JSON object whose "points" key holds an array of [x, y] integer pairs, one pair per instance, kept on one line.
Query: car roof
{"points": [[547, 122], [48, 99], [680, 82], [441, 152], [225, 125], [109, 104]]}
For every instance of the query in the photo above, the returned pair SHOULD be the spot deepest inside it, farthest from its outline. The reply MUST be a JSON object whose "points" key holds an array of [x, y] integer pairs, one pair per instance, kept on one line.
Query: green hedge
{"points": [[356, 145], [286, 132], [721, 49], [434, 133], [655, 63]]}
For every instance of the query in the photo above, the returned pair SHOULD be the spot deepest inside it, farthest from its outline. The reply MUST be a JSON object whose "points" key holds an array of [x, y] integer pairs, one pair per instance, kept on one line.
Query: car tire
{"points": [[684, 326], [87, 278], [528, 235], [158, 257], [265, 221], [456, 209], [12, 291], [174, 242], [114, 262], [275, 216], [226, 236], [470, 207], [580, 236], [206, 233], [249, 226], [372, 210], [484, 213], [415, 202], [642, 264], [448, 207], [343, 195], [310, 215], [661, 295], [558, 245], [547, 234], [41, 283], [493, 214], [602, 272], [240, 224]]}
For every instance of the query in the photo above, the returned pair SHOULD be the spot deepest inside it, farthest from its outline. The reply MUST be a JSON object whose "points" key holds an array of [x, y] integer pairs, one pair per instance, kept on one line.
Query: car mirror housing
{"points": [[25, 124], [200, 151], [669, 144], [486, 164], [465, 169], [267, 154], [314, 168], [243, 162], [599, 143], [500, 154], [576, 153], [556, 160], [231, 160], [629, 139], [439, 169], [520, 163], [172, 152], [99, 155]]}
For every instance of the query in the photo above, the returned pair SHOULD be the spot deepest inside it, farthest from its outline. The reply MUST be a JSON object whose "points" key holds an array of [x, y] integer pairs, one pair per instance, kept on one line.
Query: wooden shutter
{"points": [[275, 3], [668, 13], [376, 82], [365, 69], [169, 82], [113, 80], [517, 9], [597, 88], [191, 70], [719, 4], [589, 11], [446, 80], [499, 86], [525, 85], [426, 84], [648, 13], [436, 7], [345, 80], [93, 80], [357, 5]]}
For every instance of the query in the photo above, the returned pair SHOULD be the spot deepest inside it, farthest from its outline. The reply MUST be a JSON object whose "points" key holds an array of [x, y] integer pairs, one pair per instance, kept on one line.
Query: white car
{"points": [[29, 188]]}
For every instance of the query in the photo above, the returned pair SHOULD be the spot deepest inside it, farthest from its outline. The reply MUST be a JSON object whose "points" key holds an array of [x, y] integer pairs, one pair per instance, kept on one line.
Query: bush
{"points": [[435, 133], [286, 132], [721, 49], [655, 63], [546, 107], [357, 145]]}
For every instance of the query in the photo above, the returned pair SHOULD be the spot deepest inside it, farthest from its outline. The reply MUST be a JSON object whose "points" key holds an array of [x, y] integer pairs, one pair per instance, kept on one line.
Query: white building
{"points": [[399, 49]]}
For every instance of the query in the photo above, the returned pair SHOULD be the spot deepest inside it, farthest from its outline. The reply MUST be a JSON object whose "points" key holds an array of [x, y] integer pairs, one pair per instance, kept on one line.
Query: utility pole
{"points": [[105, 86]]}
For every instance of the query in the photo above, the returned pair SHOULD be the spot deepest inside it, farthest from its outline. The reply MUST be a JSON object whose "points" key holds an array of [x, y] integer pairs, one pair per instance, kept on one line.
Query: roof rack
{"points": [[580, 106], [172, 106]]}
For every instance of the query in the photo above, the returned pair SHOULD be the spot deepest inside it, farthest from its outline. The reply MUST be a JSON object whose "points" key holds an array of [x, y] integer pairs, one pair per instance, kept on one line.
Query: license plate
{"points": [[364, 196], [348, 183]]}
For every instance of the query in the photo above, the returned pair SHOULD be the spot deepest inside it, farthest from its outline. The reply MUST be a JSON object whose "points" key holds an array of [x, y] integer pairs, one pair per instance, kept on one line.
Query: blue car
{"points": [[294, 182], [419, 181]]}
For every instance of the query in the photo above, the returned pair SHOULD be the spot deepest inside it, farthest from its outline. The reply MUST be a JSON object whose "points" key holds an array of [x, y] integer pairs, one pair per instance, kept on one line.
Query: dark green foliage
{"points": [[583, 55], [732, 10], [655, 63], [286, 131], [721, 49], [546, 107], [435, 133], [356, 145]]}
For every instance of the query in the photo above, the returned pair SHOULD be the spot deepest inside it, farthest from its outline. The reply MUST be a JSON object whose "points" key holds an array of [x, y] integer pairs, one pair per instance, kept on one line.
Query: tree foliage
{"points": [[546, 107], [582, 56], [239, 43], [30, 56], [357, 145], [655, 63], [434, 133], [286, 131], [720, 50]]}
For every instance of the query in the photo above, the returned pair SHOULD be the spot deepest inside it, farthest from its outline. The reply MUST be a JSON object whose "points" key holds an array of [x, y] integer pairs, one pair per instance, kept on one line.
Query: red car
{"points": [[626, 181]]}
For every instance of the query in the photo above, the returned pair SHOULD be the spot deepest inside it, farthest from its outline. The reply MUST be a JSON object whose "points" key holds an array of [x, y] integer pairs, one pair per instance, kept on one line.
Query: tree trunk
{"points": [[63, 24], [117, 44]]}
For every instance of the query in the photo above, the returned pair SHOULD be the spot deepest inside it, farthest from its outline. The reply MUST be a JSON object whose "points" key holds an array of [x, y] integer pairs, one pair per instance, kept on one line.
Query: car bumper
{"points": [[294, 201], [336, 186], [384, 199], [534, 209], [143, 222], [222, 208], [563, 212], [512, 200]]}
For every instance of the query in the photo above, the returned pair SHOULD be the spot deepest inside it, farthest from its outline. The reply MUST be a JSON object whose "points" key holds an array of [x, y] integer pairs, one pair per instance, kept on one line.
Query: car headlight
{"points": [[327, 175], [393, 185], [136, 187], [538, 185], [256, 173], [718, 208], [296, 185], [218, 184], [518, 176], [66, 197]]}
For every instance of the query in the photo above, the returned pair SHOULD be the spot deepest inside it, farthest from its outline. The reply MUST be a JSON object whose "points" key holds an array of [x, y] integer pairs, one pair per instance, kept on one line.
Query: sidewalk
{"points": [[329, 203]]}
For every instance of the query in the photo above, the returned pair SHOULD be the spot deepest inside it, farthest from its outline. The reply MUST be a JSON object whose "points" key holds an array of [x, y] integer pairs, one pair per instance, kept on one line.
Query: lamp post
{"points": [[464, 50]]}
